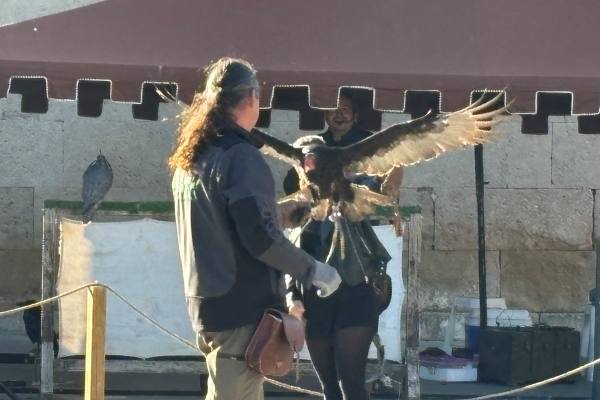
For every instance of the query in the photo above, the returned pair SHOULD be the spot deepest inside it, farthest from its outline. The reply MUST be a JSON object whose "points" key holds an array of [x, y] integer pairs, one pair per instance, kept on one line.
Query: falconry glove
{"points": [[326, 278]]}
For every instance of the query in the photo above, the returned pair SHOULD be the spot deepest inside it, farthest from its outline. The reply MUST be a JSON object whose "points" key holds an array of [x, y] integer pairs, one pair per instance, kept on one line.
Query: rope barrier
{"points": [[269, 380], [193, 346], [48, 300], [537, 384], [152, 322]]}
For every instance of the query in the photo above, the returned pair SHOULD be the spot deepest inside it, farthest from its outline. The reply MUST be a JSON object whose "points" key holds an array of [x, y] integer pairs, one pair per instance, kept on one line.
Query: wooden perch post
{"points": [[412, 388], [94, 343]]}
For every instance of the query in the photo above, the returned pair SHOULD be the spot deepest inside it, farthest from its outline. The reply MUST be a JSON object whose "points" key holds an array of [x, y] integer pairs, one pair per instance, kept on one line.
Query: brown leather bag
{"points": [[277, 338], [381, 283]]}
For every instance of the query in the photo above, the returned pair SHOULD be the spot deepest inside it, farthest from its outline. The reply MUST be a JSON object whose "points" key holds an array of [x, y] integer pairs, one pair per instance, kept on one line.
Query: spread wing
{"points": [[276, 148], [423, 138]]}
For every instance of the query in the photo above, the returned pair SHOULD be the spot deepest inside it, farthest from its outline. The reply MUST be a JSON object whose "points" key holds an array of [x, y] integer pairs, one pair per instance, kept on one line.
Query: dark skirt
{"points": [[349, 306]]}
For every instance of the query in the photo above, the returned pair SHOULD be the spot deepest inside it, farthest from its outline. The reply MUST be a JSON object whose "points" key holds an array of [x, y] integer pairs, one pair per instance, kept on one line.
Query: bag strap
{"points": [[293, 328]]}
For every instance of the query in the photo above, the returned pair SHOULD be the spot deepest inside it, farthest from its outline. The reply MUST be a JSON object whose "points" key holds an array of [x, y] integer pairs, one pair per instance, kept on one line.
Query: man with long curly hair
{"points": [[232, 251]]}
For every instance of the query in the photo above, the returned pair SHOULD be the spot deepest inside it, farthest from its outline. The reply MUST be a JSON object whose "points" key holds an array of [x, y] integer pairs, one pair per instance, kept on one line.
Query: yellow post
{"points": [[94, 343]]}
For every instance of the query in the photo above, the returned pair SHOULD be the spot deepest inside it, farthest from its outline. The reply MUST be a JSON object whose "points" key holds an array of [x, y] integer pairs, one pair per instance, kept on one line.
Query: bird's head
{"points": [[310, 149], [101, 160], [309, 163]]}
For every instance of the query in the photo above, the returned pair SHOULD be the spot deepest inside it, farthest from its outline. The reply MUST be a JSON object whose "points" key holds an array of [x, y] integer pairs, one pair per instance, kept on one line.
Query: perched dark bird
{"points": [[32, 319], [97, 180], [326, 172]]}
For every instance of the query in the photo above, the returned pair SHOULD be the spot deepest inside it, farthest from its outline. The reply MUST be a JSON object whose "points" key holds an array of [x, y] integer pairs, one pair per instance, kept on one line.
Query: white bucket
{"points": [[468, 304]]}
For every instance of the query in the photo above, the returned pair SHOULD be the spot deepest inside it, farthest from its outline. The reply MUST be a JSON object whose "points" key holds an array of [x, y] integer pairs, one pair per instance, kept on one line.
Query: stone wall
{"points": [[540, 203], [44, 156], [541, 218]]}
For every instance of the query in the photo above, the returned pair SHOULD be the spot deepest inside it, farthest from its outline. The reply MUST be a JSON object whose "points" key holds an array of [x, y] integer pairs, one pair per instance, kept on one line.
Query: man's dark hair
{"points": [[228, 81]]}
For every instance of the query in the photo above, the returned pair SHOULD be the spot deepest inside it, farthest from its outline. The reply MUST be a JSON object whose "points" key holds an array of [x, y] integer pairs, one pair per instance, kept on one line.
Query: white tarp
{"points": [[140, 260]]}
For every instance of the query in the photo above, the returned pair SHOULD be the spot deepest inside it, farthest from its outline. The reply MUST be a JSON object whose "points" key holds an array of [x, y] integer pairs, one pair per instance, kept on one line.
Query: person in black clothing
{"points": [[232, 251], [32, 319], [340, 328]]}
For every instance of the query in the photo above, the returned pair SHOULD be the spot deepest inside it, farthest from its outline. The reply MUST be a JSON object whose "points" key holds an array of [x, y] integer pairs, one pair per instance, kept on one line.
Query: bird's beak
{"points": [[309, 163]]}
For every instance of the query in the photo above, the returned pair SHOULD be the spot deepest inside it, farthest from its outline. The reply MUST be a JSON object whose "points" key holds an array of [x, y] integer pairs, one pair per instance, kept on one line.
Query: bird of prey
{"points": [[326, 172], [97, 180]]}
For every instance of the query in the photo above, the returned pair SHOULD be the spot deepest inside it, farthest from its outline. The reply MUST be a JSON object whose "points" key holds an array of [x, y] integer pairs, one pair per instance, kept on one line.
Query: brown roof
{"points": [[392, 46]]}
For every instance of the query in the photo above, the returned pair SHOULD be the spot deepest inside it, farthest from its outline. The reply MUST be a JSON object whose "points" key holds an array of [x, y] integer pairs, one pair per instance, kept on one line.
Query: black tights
{"points": [[341, 362]]}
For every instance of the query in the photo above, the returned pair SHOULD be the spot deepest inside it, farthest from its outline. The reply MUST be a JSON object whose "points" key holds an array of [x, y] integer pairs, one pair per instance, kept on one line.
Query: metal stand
{"points": [[49, 255], [479, 193]]}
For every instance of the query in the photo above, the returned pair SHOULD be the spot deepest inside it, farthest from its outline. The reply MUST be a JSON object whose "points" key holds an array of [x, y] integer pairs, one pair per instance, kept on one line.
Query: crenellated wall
{"points": [[540, 203]]}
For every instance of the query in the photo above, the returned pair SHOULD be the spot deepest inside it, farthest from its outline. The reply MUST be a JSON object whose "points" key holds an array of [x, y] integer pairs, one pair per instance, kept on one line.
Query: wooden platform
{"points": [[160, 377], [181, 385]]}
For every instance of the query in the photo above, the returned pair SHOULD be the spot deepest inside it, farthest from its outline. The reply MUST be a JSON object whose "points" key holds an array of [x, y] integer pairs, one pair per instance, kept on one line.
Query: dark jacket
{"points": [[316, 239], [232, 251]]}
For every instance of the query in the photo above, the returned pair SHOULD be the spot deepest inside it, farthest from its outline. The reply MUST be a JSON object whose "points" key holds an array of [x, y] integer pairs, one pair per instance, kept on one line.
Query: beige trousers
{"points": [[230, 379]]}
